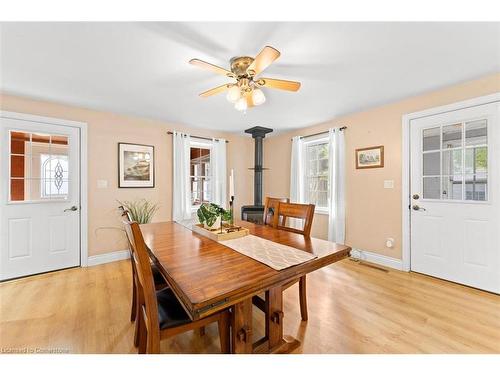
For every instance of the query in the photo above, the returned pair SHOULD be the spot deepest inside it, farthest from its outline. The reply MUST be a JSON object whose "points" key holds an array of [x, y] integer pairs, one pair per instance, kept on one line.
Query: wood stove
{"points": [[254, 213]]}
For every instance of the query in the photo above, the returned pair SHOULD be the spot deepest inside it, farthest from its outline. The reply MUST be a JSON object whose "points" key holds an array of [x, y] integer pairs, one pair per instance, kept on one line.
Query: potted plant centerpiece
{"points": [[216, 223], [212, 215]]}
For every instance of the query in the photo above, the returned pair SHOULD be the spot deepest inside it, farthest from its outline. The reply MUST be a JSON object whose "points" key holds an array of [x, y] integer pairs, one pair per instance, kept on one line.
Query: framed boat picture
{"points": [[370, 157], [136, 168]]}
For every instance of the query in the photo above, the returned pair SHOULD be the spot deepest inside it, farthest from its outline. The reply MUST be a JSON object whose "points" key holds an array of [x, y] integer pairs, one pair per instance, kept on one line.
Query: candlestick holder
{"points": [[231, 209]]}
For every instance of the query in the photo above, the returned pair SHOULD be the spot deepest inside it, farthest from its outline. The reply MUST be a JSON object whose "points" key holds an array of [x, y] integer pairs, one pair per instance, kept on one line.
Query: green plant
{"points": [[209, 212], [141, 210]]}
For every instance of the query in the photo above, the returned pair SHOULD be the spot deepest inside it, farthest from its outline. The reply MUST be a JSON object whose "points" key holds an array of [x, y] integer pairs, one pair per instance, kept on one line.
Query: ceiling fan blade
{"points": [[263, 60], [212, 67], [280, 84], [214, 91]]}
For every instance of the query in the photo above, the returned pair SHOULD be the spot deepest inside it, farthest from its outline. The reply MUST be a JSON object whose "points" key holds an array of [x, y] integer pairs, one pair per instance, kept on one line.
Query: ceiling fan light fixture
{"points": [[241, 104], [246, 91], [233, 94], [258, 97]]}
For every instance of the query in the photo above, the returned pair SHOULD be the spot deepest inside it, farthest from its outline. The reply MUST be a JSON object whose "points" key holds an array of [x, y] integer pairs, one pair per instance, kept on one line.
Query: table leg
{"points": [[241, 327], [277, 342]]}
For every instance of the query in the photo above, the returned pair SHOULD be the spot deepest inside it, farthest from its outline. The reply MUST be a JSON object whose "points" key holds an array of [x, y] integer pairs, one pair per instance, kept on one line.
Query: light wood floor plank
{"points": [[352, 309]]}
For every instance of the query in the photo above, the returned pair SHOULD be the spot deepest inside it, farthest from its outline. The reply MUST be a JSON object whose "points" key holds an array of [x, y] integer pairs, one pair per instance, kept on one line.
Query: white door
{"points": [[39, 197], [455, 189]]}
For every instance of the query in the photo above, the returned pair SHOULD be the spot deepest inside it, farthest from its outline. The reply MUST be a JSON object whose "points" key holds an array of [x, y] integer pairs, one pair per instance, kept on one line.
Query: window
{"points": [[39, 166], [316, 173], [455, 162], [54, 172], [200, 173]]}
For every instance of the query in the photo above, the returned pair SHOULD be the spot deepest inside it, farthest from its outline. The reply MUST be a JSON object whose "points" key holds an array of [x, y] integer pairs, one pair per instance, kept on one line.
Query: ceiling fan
{"points": [[246, 92]]}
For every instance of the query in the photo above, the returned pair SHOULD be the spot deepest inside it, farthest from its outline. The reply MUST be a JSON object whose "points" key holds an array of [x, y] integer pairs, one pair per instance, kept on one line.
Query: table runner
{"points": [[270, 253]]}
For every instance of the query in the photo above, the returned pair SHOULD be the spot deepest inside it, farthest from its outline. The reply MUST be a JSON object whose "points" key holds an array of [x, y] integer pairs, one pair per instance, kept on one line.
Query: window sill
{"points": [[321, 212]]}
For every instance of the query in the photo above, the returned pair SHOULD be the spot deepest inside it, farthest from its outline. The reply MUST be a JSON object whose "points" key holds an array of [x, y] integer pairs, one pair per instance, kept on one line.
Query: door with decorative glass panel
{"points": [[40, 197], [455, 193]]}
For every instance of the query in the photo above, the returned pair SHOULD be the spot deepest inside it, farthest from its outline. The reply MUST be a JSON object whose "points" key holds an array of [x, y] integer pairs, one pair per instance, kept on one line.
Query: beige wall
{"points": [[372, 212], [105, 130]]}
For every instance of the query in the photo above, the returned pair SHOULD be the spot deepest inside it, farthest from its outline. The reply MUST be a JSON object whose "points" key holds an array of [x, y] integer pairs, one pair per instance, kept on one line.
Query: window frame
{"points": [[463, 147], [204, 144], [314, 141], [28, 177]]}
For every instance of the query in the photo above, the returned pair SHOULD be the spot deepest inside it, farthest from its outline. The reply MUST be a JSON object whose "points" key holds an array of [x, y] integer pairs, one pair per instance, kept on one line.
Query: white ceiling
{"points": [[142, 68]]}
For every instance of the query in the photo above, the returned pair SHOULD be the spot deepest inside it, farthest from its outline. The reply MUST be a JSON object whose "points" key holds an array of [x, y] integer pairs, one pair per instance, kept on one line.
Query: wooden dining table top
{"points": [[208, 276]]}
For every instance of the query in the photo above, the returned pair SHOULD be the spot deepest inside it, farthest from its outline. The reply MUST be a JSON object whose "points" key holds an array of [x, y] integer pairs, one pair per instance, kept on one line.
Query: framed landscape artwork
{"points": [[136, 166], [370, 157]]}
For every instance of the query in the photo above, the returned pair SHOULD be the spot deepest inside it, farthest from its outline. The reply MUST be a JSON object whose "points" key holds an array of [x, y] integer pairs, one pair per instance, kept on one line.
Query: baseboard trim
{"points": [[377, 259], [114, 256]]}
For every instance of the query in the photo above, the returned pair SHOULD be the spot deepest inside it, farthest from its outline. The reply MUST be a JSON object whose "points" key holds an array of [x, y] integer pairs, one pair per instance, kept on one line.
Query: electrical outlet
{"points": [[389, 242], [388, 184], [102, 184]]}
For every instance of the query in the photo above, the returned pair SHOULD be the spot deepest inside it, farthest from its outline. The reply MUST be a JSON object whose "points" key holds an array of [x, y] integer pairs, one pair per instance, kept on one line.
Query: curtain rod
{"points": [[195, 136], [315, 134]]}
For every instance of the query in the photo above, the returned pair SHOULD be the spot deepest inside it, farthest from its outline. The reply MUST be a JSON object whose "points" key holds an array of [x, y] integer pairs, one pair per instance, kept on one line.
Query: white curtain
{"points": [[336, 201], [296, 171], [181, 197], [218, 165], [297, 177]]}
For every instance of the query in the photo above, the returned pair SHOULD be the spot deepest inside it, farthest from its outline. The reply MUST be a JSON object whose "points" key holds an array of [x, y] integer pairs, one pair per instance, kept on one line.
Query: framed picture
{"points": [[136, 166], [370, 157]]}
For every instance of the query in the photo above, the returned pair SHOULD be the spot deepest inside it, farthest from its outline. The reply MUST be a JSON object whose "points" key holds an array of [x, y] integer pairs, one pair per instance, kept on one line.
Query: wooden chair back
{"points": [[125, 213], [127, 217], [297, 211], [270, 206], [148, 305]]}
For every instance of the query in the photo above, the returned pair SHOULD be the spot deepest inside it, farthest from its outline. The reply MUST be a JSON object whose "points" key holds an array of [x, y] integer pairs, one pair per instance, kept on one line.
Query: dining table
{"points": [[207, 276]]}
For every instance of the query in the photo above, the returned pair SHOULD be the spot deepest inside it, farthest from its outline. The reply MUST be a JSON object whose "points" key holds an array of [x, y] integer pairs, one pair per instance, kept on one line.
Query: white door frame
{"points": [[405, 157], [83, 170]]}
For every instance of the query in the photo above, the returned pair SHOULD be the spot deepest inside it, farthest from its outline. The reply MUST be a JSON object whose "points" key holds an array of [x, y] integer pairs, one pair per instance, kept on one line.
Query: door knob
{"points": [[416, 196], [72, 208], [416, 207]]}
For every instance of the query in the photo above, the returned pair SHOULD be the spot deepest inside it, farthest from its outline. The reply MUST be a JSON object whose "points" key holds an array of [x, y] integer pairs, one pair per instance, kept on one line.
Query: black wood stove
{"points": [[254, 213]]}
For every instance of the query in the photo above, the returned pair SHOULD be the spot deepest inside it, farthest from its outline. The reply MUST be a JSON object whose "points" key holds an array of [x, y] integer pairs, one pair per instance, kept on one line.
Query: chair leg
{"points": [[153, 345], [303, 298], [142, 334], [138, 322], [137, 330], [133, 312], [201, 331], [224, 333]]}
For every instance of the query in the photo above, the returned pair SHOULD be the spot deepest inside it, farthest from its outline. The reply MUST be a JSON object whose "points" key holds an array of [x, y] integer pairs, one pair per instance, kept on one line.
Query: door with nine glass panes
{"points": [[39, 197], [455, 192]]}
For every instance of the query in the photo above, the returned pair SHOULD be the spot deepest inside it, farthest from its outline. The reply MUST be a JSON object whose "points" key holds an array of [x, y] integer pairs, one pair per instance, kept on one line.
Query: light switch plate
{"points": [[102, 184], [388, 184]]}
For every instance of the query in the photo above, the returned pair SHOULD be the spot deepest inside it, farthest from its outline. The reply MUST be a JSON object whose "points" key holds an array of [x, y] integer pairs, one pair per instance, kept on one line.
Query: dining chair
{"points": [[297, 211], [270, 208], [160, 314], [159, 280], [306, 213]]}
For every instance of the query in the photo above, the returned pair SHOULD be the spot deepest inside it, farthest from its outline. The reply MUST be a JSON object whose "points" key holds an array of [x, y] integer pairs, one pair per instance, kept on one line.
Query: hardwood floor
{"points": [[86, 310]]}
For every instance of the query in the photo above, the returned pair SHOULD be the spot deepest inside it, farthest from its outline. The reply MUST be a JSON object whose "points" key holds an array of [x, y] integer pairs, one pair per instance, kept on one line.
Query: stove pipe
{"points": [[258, 134]]}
